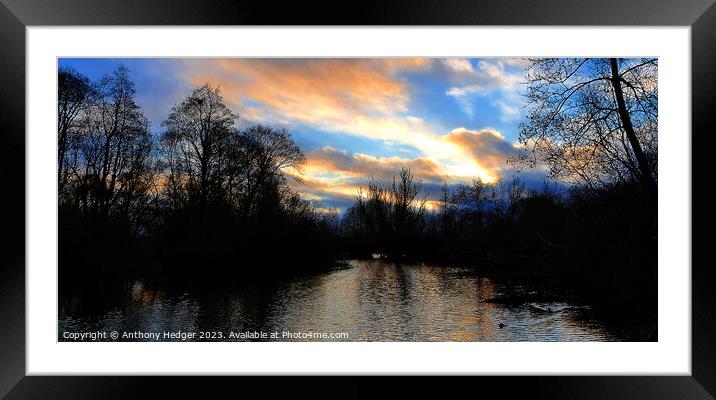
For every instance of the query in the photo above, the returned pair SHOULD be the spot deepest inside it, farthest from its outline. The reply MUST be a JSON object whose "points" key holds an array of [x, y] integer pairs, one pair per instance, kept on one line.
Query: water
{"points": [[366, 301]]}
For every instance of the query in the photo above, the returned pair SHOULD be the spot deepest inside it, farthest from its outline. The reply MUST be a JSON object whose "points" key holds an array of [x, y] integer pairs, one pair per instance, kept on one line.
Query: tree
{"points": [[447, 209], [511, 194], [474, 197], [266, 155], [113, 169], [405, 205], [197, 135], [73, 95], [593, 120], [387, 214]]}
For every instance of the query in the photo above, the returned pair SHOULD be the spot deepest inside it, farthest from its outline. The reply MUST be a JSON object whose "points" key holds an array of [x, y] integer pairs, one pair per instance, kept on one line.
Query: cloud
{"points": [[459, 65], [361, 97], [312, 91], [364, 166], [487, 148], [509, 110], [334, 174], [502, 75], [488, 75]]}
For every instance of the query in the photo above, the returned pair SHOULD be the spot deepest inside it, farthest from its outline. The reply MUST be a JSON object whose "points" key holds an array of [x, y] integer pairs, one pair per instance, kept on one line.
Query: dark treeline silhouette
{"points": [[561, 242], [204, 196], [388, 218]]}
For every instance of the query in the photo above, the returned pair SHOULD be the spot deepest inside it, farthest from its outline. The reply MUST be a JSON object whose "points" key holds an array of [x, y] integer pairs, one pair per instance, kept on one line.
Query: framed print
{"points": [[467, 190]]}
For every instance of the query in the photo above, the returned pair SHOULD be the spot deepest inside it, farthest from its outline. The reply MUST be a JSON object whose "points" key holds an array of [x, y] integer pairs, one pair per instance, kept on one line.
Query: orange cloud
{"points": [[333, 173], [312, 90], [320, 188], [487, 147], [328, 160], [361, 97]]}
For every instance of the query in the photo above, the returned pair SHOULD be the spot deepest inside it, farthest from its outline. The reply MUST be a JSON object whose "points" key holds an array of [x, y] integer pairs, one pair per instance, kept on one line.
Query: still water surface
{"points": [[368, 300]]}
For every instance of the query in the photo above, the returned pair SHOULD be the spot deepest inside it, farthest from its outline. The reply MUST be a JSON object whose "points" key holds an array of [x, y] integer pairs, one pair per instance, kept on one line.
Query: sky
{"points": [[448, 119]]}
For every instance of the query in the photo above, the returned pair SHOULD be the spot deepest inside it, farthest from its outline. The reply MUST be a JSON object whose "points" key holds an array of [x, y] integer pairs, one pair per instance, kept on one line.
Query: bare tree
{"points": [[447, 208], [593, 120], [406, 205], [113, 147], [197, 134], [266, 155], [512, 193], [388, 214], [73, 95], [475, 197]]}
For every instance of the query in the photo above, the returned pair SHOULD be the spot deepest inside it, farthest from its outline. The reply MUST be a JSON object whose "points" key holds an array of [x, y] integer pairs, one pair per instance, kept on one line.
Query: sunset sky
{"points": [[447, 119]]}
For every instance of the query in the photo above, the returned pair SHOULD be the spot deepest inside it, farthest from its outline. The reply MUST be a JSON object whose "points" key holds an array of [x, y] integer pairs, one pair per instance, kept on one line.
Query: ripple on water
{"points": [[371, 300]]}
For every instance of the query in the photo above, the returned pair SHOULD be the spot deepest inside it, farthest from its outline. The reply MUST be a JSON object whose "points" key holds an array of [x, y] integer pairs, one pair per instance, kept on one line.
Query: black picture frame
{"points": [[16, 15]]}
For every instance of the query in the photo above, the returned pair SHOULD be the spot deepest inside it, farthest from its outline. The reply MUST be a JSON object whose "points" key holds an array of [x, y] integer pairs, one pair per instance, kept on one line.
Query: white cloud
{"points": [[458, 64], [501, 75]]}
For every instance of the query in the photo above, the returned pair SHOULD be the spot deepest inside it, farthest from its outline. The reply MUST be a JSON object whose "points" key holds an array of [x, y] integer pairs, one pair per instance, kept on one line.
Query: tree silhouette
{"points": [[267, 155], [593, 120], [111, 169], [198, 132], [73, 95]]}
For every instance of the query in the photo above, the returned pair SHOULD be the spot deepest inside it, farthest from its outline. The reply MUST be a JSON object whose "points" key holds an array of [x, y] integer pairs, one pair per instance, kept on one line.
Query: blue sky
{"points": [[449, 120]]}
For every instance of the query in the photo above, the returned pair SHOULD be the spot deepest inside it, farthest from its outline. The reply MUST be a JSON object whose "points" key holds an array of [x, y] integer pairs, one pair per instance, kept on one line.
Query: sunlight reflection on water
{"points": [[370, 300]]}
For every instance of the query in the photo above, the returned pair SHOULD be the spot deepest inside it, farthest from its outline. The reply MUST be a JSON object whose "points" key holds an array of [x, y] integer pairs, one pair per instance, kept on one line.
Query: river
{"points": [[367, 300]]}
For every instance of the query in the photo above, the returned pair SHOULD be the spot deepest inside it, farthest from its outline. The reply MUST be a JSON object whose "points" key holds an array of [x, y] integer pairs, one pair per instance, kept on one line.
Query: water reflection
{"points": [[370, 301]]}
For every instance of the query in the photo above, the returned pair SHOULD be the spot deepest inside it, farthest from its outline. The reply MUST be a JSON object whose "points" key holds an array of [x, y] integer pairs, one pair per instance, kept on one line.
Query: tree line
{"points": [[203, 189]]}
